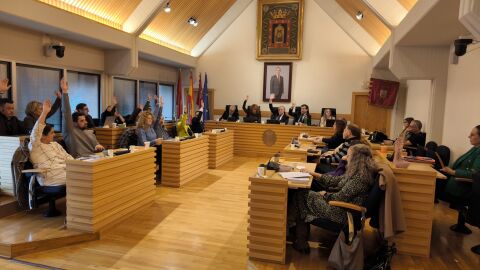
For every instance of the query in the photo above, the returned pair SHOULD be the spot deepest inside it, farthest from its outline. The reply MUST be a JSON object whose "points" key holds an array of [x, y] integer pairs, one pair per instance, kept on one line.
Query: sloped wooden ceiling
{"points": [[173, 31], [370, 22], [408, 4], [109, 12]]}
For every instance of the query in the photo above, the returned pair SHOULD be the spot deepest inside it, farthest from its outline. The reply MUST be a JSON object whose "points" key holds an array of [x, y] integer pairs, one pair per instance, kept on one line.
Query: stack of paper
{"points": [[295, 176]]}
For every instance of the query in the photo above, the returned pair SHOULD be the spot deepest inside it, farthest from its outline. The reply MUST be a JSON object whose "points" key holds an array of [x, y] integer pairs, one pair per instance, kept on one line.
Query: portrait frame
{"points": [[285, 81], [279, 29]]}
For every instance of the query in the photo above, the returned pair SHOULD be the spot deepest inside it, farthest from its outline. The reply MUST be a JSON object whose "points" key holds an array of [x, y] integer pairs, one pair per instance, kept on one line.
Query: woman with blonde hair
{"points": [[146, 128], [352, 187], [34, 110]]}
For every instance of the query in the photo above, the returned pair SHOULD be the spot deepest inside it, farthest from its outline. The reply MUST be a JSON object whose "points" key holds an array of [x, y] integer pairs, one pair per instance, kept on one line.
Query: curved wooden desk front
{"points": [[265, 139]]}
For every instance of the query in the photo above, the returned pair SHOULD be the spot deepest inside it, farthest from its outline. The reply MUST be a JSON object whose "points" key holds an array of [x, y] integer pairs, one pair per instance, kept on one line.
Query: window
{"points": [[5, 74], [146, 89], [166, 91], [37, 83], [84, 88], [125, 91]]}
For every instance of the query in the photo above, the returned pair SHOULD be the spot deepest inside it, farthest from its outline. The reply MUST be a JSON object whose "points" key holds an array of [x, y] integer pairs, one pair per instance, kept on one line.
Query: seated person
{"points": [[183, 130], [352, 187], [197, 126], [230, 115], [145, 129], [111, 110], [278, 114], [34, 109], [301, 118], [159, 127], [80, 141], [10, 125], [45, 153], [406, 124], [352, 135], [416, 137], [337, 138], [458, 193], [253, 113], [326, 115], [83, 108]]}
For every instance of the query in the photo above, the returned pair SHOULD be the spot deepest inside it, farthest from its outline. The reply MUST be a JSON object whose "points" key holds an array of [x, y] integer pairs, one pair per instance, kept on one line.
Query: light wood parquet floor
{"points": [[204, 226]]}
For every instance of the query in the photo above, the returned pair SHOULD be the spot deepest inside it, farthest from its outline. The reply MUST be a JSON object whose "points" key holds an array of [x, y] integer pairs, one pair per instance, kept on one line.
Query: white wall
{"points": [[332, 66], [462, 108], [418, 103]]}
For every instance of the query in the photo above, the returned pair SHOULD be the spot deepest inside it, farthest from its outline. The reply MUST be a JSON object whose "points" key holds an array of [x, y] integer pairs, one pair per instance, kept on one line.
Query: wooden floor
{"points": [[204, 226]]}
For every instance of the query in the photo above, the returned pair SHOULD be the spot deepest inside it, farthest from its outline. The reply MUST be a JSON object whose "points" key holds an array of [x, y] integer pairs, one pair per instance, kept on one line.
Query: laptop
{"points": [[330, 122], [109, 121], [272, 121]]}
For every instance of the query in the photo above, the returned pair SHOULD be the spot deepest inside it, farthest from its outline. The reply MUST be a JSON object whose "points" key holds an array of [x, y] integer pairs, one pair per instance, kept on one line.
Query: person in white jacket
{"points": [[48, 154]]}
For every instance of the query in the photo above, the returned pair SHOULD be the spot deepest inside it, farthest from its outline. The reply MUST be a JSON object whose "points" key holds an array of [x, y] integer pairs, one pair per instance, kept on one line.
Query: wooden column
{"points": [[184, 161], [220, 148], [101, 193], [267, 219]]}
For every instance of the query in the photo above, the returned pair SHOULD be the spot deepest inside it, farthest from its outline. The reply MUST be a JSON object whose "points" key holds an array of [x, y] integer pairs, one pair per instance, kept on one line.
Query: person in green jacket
{"points": [[182, 127], [458, 192]]}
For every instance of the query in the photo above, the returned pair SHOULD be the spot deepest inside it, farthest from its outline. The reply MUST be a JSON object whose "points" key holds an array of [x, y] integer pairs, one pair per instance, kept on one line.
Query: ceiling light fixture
{"points": [[192, 21], [359, 15], [167, 7]]}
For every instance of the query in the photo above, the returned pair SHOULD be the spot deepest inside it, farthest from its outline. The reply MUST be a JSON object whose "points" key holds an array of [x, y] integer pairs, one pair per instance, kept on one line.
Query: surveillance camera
{"points": [[59, 49], [461, 46]]}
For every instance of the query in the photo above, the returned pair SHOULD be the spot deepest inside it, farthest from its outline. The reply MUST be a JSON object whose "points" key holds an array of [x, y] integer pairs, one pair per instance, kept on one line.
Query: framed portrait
{"points": [[279, 29], [277, 80]]}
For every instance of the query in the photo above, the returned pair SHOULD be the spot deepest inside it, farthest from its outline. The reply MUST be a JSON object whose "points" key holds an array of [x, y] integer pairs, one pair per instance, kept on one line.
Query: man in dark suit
{"points": [[10, 125], [278, 113], [276, 84]]}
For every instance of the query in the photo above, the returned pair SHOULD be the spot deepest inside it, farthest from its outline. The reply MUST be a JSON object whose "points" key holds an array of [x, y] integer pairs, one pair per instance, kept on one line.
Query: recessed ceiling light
{"points": [[359, 15], [167, 7], [192, 21]]}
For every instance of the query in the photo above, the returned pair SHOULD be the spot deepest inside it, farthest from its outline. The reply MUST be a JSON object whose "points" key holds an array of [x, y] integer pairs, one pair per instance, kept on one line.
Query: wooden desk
{"points": [[300, 153], [220, 148], [376, 146], [267, 222], [108, 137], [184, 161], [417, 189], [100, 193], [265, 139], [8, 146]]}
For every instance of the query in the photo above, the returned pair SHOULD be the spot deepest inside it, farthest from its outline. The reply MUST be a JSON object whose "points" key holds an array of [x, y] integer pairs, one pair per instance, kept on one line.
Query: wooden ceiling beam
{"points": [[408, 4]]}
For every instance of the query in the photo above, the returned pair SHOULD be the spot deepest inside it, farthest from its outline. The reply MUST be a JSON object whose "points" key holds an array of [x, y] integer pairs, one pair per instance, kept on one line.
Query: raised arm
{"points": [[56, 104], [159, 110], [4, 86], [244, 106], [67, 126], [36, 134], [291, 112]]}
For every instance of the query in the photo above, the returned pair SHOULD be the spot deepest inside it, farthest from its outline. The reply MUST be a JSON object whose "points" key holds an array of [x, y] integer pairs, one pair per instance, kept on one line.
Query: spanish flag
{"points": [[191, 106]]}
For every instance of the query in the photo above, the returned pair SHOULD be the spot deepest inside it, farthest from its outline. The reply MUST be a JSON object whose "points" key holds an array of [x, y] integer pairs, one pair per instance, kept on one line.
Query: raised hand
{"points": [[58, 94], [202, 104], [155, 97], [64, 85], [161, 101], [272, 97], [246, 98], [140, 106], [47, 106], [149, 97], [293, 104], [4, 86]]}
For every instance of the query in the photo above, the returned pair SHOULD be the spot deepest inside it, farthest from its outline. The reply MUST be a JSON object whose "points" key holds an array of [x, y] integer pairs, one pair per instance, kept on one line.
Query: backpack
{"points": [[378, 137]]}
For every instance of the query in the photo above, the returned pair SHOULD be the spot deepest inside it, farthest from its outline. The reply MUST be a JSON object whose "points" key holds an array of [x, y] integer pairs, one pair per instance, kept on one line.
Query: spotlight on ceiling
{"points": [[167, 7], [192, 21], [359, 15]]}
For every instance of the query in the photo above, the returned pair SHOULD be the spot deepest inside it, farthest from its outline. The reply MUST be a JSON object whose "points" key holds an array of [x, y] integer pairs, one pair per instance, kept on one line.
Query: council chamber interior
{"points": [[240, 134]]}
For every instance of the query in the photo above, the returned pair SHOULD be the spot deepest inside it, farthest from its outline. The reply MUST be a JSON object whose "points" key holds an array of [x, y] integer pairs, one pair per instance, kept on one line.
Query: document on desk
{"points": [[295, 176]]}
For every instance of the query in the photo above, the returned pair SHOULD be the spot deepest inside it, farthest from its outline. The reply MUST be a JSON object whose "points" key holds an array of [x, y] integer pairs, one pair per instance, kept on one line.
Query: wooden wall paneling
{"points": [[264, 139], [370, 22], [103, 192], [184, 161], [369, 117]]}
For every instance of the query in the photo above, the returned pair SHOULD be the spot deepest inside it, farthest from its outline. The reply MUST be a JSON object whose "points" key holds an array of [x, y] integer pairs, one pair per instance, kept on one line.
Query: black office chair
{"points": [[473, 213]]}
